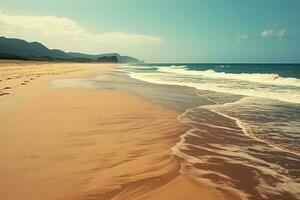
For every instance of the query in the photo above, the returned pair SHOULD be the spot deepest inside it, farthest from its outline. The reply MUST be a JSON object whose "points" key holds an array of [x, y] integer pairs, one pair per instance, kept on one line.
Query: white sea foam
{"points": [[281, 94], [270, 79], [259, 86], [233, 154]]}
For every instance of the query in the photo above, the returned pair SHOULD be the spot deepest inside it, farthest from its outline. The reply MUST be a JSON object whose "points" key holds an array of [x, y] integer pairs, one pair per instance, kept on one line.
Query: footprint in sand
{"points": [[25, 82], [4, 93], [6, 88], [33, 156]]}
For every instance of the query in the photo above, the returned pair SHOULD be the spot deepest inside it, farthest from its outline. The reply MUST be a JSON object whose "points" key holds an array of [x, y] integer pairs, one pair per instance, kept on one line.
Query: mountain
{"points": [[108, 59], [12, 48], [29, 49], [121, 59]]}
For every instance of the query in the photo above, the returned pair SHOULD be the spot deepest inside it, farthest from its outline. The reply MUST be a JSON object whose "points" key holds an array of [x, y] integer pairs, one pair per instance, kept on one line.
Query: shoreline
{"points": [[216, 150], [61, 147]]}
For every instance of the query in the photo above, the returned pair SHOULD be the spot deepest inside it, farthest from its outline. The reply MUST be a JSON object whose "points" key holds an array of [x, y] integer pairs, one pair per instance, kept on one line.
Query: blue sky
{"points": [[161, 30]]}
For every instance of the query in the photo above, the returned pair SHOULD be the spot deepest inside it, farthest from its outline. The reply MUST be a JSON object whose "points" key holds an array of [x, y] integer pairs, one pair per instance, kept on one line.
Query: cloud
{"points": [[66, 29], [278, 34], [240, 37], [281, 33], [267, 33]]}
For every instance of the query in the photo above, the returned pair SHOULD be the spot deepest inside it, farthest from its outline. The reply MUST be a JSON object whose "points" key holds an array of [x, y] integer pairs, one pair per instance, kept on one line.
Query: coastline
{"points": [[218, 149], [86, 143]]}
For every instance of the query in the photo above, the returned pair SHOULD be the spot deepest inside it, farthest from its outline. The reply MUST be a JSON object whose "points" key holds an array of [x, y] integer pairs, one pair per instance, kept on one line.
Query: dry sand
{"points": [[77, 144]]}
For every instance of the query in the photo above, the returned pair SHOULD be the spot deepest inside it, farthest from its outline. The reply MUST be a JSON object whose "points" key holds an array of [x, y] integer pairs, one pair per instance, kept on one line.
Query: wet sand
{"points": [[63, 143]]}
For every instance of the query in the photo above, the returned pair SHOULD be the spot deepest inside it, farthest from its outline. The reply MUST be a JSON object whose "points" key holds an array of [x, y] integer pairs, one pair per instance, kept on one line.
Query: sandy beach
{"points": [[85, 143], [149, 100]]}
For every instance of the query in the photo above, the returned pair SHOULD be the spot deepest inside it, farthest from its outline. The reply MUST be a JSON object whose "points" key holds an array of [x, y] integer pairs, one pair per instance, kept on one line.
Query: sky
{"points": [[161, 30]]}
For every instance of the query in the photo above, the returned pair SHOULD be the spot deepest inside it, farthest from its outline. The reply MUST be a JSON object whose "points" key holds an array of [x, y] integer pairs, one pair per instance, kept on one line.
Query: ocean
{"points": [[244, 120]]}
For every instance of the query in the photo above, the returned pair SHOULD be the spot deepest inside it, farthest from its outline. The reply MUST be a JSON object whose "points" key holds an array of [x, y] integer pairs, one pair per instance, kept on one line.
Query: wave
{"points": [[203, 151], [270, 79], [233, 143], [291, 96]]}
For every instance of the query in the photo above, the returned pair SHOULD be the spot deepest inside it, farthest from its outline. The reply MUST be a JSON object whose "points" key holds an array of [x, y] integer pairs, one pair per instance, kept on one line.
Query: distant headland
{"points": [[18, 49]]}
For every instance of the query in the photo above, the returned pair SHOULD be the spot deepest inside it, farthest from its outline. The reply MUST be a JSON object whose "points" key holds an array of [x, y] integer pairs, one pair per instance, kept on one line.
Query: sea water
{"points": [[244, 135]]}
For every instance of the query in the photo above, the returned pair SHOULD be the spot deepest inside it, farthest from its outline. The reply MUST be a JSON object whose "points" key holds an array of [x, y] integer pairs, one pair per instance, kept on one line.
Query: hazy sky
{"points": [[161, 30]]}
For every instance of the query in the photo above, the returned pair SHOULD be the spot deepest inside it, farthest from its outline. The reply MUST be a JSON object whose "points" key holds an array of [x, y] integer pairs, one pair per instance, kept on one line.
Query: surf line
{"points": [[248, 132]]}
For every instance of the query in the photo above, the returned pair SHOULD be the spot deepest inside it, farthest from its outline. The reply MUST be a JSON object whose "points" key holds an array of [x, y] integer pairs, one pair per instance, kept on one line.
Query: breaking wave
{"points": [[270, 79], [281, 89]]}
